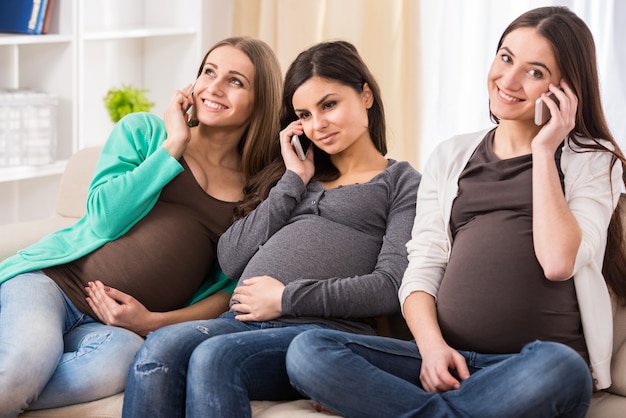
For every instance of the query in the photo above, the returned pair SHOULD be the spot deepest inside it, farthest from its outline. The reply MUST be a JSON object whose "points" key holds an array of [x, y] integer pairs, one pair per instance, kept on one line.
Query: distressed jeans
{"points": [[368, 376], [53, 355], [210, 368]]}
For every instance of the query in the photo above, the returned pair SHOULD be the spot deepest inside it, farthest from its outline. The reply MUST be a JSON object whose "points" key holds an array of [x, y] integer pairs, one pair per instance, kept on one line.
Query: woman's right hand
{"points": [[436, 365], [438, 358], [305, 169], [176, 124], [116, 308]]}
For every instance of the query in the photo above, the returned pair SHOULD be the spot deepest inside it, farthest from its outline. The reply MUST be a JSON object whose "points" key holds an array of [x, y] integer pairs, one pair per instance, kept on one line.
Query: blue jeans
{"points": [[53, 355], [365, 376], [210, 368]]}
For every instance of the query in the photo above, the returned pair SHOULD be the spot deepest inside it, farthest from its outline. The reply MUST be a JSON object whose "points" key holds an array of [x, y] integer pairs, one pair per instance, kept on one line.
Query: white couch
{"points": [[70, 206]]}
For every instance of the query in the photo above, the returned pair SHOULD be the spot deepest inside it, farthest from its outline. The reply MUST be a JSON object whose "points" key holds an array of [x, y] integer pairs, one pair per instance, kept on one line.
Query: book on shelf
{"points": [[25, 16], [47, 17]]}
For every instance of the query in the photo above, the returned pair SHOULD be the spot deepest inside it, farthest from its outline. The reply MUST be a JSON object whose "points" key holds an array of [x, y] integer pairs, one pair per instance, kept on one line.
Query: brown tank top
{"points": [[162, 260], [494, 297]]}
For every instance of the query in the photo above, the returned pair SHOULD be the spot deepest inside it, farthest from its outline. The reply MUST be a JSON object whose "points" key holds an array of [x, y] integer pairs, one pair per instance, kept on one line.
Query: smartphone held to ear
{"points": [[542, 113], [300, 146], [190, 105]]}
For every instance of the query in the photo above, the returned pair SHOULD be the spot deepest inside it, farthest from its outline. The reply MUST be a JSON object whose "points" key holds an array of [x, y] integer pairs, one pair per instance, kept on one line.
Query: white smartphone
{"points": [[301, 146], [542, 113]]}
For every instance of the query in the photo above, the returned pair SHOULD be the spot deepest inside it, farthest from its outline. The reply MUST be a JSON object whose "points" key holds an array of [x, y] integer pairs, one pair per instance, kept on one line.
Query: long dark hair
{"points": [[332, 60], [575, 53]]}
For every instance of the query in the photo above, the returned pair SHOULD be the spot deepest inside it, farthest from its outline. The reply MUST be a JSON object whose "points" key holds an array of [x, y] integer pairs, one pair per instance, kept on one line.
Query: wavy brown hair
{"points": [[575, 52], [332, 60]]}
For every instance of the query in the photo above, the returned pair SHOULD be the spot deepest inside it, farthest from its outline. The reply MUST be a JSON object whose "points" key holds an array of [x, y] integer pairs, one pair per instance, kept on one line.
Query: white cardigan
{"points": [[590, 199]]}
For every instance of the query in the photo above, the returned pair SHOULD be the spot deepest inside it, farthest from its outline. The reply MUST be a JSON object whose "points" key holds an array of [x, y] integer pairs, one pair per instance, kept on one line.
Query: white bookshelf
{"points": [[25, 172], [92, 46]]}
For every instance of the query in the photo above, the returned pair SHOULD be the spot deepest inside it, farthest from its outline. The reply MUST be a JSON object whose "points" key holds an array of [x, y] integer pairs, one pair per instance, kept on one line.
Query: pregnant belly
{"points": [[315, 248]]}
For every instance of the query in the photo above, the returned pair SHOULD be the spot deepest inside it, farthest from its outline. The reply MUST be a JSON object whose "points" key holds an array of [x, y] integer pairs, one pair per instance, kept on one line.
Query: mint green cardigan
{"points": [[132, 170]]}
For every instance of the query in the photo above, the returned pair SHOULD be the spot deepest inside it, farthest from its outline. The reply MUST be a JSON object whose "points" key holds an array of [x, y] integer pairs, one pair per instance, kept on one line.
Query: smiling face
{"points": [[522, 70], [333, 115], [224, 92]]}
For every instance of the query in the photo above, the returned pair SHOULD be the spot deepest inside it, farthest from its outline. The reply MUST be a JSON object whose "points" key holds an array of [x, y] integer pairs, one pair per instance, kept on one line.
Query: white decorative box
{"points": [[28, 128]]}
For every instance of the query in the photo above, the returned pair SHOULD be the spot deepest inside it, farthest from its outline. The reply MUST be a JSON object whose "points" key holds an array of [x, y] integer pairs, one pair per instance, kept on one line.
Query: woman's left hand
{"points": [[259, 299], [562, 120], [114, 307]]}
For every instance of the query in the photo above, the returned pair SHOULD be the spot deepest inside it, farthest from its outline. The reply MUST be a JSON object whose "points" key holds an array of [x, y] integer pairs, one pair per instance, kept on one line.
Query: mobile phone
{"points": [[190, 105], [300, 145], [542, 113]]}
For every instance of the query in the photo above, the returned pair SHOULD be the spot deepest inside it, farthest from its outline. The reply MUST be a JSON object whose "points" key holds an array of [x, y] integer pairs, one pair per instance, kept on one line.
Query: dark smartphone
{"points": [[190, 105], [542, 113], [300, 145]]}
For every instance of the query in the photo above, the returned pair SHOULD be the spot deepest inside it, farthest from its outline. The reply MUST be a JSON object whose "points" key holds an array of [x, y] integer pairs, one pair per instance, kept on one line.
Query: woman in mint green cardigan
{"points": [[74, 305]]}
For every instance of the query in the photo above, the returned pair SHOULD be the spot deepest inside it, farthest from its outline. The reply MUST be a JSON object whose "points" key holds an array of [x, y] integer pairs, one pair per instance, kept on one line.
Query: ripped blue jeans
{"points": [[210, 368], [51, 354]]}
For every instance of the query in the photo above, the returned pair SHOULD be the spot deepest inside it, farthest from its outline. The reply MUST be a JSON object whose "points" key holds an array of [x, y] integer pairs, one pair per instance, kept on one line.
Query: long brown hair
{"points": [[332, 60], [257, 145], [575, 53]]}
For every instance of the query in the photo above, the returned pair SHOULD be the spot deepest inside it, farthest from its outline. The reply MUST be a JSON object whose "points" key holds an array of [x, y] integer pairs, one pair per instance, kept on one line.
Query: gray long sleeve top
{"points": [[341, 252]]}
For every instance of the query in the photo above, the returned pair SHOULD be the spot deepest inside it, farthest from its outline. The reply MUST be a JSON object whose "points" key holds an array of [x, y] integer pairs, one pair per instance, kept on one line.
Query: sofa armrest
{"points": [[70, 205], [22, 234]]}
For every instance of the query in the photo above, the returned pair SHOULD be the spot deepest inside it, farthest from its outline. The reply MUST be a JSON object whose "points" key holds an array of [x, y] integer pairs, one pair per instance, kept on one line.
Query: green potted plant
{"points": [[127, 99]]}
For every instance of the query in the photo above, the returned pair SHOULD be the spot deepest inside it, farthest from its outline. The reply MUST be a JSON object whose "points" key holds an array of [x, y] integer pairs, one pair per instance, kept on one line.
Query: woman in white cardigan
{"points": [[505, 292]]}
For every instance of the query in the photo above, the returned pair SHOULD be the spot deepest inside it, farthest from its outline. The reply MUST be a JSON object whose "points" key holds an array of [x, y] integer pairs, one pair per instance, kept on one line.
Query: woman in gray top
{"points": [[325, 248]]}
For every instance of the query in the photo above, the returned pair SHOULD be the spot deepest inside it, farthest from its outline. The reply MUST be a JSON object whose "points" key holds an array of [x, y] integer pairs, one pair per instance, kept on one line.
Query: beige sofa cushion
{"points": [[75, 182], [618, 362], [24, 234], [603, 405], [110, 407]]}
